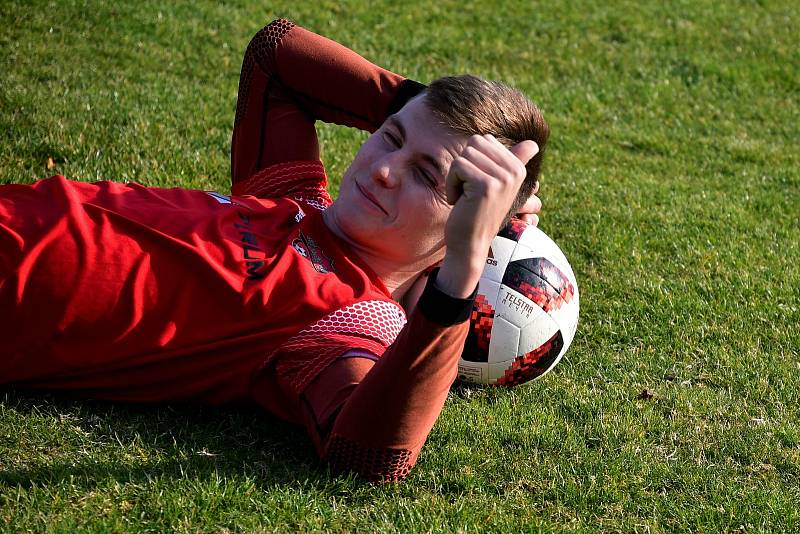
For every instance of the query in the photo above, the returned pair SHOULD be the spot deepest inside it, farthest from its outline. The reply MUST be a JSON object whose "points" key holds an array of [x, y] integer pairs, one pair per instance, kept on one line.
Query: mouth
{"points": [[371, 198]]}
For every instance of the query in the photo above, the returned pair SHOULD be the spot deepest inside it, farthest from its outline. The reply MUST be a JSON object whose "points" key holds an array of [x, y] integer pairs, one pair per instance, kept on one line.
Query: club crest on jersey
{"points": [[308, 248]]}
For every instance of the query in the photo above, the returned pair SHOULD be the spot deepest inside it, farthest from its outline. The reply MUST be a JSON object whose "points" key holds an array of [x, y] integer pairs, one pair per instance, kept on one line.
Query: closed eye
{"points": [[425, 176], [432, 183], [391, 139]]}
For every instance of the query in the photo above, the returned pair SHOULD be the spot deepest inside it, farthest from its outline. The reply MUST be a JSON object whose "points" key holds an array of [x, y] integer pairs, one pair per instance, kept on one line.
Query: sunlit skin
{"points": [[416, 190], [392, 205]]}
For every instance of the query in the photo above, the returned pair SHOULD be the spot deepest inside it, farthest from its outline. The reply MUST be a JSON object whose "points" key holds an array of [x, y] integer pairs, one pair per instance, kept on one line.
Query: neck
{"points": [[398, 277], [401, 278]]}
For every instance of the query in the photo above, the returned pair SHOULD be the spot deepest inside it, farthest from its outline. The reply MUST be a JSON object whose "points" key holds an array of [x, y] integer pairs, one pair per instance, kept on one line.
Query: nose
{"points": [[386, 170]]}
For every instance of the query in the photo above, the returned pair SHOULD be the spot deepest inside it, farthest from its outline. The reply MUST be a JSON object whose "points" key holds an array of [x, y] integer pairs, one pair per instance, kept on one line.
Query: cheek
{"points": [[367, 151], [436, 210], [428, 215]]}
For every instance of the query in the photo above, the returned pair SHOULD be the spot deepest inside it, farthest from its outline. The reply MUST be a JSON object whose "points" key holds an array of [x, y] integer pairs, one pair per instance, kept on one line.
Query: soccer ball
{"points": [[526, 312]]}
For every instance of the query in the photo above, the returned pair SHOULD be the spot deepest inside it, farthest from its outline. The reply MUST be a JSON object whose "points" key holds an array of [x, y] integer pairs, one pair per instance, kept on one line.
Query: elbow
{"points": [[375, 464], [275, 30], [267, 39]]}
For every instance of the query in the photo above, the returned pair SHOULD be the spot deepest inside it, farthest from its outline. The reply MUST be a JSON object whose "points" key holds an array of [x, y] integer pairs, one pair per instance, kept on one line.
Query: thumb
{"points": [[525, 150], [454, 186]]}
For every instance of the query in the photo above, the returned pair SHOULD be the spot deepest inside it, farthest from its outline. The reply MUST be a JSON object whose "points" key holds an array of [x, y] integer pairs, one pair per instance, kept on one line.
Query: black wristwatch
{"points": [[441, 308]]}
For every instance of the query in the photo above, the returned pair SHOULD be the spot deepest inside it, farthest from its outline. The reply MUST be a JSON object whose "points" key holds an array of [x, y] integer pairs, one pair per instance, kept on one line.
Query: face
{"points": [[392, 198]]}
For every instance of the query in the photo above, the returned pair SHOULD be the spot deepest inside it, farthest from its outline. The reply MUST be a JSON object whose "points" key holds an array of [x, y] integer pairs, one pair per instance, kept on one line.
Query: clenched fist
{"points": [[482, 184]]}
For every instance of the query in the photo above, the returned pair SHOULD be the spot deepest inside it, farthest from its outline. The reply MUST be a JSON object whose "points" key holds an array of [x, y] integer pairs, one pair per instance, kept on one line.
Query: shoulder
{"points": [[367, 325], [380, 320]]}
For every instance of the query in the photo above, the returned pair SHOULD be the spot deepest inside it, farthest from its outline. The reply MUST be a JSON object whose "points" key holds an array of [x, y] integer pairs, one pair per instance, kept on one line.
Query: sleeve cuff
{"points": [[407, 90], [441, 308]]}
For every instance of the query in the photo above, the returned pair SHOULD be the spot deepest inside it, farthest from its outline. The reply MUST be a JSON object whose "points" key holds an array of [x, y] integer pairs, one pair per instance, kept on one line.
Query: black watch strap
{"points": [[441, 308]]}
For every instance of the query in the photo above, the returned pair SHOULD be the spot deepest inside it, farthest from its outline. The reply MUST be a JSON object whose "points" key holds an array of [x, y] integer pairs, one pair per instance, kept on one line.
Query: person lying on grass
{"points": [[346, 317]]}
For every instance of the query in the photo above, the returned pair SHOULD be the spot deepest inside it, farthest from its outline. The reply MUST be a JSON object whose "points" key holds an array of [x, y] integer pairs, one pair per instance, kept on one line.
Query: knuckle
{"points": [[479, 142], [458, 162], [493, 186], [506, 177], [518, 173]]}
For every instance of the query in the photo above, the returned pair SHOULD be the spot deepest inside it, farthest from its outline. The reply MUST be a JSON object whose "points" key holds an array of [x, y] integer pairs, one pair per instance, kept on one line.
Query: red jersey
{"points": [[171, 294], [126, 292]]}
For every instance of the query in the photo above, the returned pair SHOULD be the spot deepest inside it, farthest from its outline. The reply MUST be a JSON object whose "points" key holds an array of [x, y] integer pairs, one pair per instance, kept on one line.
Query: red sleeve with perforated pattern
{"points": [[369, 325], [290, 78], [375, 421]]}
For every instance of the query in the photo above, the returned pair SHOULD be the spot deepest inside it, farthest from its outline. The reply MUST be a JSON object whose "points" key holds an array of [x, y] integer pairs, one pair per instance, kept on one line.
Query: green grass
{"points": [[672, 185]]}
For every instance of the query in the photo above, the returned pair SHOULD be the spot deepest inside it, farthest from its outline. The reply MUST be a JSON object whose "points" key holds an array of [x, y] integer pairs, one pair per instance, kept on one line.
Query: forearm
{"points": [[459, 277], [290, 78], [330, 81], [384, 423]]}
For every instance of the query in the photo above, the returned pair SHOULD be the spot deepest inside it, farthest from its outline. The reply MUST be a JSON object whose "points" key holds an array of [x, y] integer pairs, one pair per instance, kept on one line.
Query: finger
{"points": [[532, 205], [468, 178], [535, 188], [493, 158], [453, 184], [479, 157], [530, 218], [494, 149], [525, 150], [462, 173], [521, 152]]}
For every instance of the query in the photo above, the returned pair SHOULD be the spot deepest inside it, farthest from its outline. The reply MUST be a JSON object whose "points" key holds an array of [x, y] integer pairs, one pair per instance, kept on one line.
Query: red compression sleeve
{"points": [[376, 426], [291, 77]]}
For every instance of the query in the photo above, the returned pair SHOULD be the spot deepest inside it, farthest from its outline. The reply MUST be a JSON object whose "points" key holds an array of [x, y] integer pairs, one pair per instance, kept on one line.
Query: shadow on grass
{"points": [[87, 442]]}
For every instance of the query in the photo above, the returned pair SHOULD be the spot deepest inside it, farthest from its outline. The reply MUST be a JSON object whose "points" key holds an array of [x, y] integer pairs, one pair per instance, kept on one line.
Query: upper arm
{"points": [[292, 77], [270, 126]]}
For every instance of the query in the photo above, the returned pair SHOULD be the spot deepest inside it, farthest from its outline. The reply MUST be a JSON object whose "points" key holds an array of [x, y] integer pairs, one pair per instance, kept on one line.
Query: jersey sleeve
{"points": [[369, 326], [373, 419], [290, 78]]}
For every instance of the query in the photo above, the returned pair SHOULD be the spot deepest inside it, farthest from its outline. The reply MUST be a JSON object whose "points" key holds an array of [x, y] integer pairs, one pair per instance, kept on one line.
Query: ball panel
{"points": [[566, 318], [516, 308], [514, 229], [489, 289], [540, 281], [499, 255], [476, 347], [505, 341], [534, 242], [536, 333], [533, 364], [474, 372], [497, 370]]}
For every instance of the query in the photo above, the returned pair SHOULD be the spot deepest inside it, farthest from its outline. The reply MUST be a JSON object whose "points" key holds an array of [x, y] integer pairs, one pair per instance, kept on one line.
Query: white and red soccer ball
{"points": [[526, 312]]}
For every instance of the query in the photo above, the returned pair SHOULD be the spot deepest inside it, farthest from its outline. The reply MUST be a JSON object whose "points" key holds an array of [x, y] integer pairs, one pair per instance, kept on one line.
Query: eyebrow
{"points": [[394, 121]]}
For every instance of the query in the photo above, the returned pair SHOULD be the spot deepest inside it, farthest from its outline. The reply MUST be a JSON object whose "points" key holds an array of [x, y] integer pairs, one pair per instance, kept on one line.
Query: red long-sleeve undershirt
{"points": [[371, 418]]}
